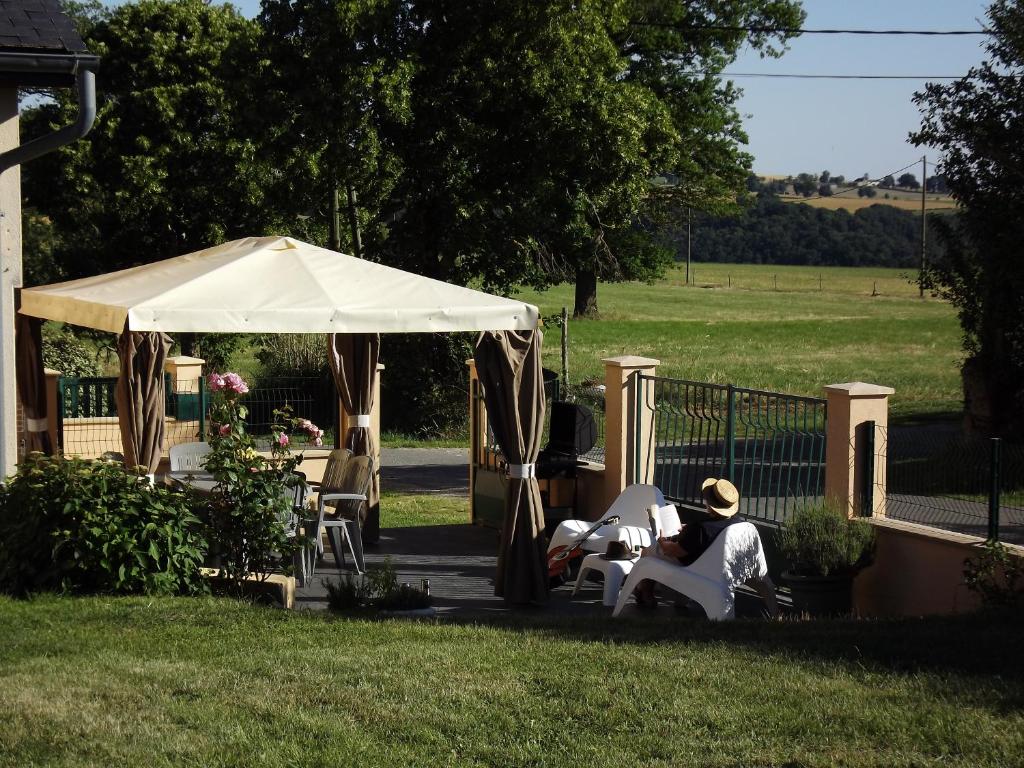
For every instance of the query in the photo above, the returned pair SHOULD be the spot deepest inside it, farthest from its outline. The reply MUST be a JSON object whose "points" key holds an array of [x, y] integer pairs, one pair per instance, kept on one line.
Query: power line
{"points": [[870, 181], [803, 76], [798, 31]]}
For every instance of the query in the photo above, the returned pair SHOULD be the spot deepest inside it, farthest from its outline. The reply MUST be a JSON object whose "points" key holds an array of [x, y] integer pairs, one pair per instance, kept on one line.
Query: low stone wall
{"points": [[917, 571]]}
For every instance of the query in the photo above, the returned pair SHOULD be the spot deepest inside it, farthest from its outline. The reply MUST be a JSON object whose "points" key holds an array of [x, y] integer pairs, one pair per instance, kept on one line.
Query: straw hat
{"points": [[721, 497]]}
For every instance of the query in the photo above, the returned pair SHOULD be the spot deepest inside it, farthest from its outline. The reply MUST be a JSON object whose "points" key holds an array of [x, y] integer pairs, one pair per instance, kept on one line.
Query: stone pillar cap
{"points": [[185, 360], [631, 361], [860, 389]]}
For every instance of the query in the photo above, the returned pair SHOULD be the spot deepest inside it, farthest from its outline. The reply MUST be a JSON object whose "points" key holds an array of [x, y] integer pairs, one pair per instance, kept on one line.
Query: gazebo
{"points": [[282, 285]]}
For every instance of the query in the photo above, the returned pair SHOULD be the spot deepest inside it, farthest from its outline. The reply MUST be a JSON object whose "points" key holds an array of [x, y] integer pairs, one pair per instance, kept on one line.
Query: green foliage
{"points": [[996, 576], [973, 121], [249, 511], [88, 526], [38, 245], [378, 588], [774, 232], [819, 540], [169, 166], [424, 388], [63, 351], [218, 349], [283, 355]]}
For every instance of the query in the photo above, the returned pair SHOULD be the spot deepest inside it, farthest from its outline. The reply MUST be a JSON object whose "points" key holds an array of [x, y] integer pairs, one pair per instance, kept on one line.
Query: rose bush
{"points": [[249, 512]]}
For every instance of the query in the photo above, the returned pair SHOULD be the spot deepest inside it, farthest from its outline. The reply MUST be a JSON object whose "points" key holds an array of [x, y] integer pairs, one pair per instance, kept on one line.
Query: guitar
{"points": [[558, 558]]}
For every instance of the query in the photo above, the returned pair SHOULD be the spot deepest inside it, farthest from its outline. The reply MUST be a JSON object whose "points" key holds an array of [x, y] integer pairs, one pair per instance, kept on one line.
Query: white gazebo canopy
{"points": [[273, 285]]}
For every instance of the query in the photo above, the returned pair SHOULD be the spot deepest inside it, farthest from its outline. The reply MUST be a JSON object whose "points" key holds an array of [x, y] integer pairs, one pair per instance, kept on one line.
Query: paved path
{"points": [[440, 471]]}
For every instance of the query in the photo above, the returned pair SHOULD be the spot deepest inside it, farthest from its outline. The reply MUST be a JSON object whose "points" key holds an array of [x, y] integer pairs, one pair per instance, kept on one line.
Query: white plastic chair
{"points": [[348, 499], [633, 528], [735, 557], [188, 457]]}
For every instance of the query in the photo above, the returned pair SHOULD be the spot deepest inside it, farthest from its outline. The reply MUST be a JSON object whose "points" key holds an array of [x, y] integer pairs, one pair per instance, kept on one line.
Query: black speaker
{"points": [[573, 429]]}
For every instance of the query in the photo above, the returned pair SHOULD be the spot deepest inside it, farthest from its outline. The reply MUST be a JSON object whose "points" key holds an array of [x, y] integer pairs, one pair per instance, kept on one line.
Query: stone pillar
{"points": [[620, 432], [52, 414], [10, 278], [185, 373], [850, 407]]}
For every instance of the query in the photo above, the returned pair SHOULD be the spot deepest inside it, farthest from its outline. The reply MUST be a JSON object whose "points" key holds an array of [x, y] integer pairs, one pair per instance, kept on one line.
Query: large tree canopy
{"points": [[168, 167], [978, 125]]}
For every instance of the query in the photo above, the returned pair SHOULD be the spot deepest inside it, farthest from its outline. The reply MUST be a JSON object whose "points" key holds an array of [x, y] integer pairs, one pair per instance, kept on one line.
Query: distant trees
{"points": [[775, 232], [937, 184], [888, 182], [977, 123], [866, 192], [825, 190], [805, 184], [824, 177], [909, 181]]}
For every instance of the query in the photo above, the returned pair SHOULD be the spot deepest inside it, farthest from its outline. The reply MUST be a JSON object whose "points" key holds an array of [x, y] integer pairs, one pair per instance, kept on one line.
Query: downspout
{"points": [[85, 83]]}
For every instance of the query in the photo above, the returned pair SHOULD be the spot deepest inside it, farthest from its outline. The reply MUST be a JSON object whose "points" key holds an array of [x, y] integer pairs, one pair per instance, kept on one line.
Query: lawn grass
{"points": [[398, 510], [211, 682], [795, 339]]}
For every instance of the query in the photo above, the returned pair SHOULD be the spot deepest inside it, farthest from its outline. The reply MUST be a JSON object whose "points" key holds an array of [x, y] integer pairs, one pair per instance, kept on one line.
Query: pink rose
{"points": [[234, 383], [215, 382], [282, 440], [225, 429]]}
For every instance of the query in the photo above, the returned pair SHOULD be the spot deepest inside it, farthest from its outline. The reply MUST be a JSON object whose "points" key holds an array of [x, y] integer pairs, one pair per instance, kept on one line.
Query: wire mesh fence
{"points": [[87, 418], [937, 475]]}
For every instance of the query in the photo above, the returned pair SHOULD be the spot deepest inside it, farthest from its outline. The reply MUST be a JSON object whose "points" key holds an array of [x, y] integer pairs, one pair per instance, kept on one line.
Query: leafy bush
{"points": [[379, 589], [250, 508], [217, 349], [996, 576], [87, 526], [819, 540], [63, 351]]}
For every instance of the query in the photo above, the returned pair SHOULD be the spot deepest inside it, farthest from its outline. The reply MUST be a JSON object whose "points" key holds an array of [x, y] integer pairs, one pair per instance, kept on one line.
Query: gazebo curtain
{"points": [[32, 382], [353, 359], [509, 367], [141, 396]]}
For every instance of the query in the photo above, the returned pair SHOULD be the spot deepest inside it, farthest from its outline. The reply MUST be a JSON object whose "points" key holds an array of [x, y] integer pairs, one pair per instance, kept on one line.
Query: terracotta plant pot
{"points": [[820, 595]]}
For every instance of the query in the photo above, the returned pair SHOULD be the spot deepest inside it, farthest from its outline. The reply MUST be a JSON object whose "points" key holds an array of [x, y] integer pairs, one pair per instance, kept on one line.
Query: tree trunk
{"points": [[586, 293]]}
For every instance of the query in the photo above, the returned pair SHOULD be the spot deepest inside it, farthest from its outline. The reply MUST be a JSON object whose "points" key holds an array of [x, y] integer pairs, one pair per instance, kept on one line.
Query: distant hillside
{"points": [[775, 232]]}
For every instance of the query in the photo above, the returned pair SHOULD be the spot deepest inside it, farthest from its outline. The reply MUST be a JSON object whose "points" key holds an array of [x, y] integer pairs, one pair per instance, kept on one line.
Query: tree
{"points": [[937, 184], [167, 168], [866, 192], [805, 184], [824, 177], [909, 181], [825, 190], [888, 182], [839, 180], [537, 129], [977, 123]]}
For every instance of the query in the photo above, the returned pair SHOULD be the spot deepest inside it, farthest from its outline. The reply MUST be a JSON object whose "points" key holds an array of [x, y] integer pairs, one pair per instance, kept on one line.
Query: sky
{"points": [[853, 127]]}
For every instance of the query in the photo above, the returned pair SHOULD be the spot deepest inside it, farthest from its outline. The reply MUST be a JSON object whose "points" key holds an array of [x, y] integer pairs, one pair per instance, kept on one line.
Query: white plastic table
{"points": [[615, 572]]}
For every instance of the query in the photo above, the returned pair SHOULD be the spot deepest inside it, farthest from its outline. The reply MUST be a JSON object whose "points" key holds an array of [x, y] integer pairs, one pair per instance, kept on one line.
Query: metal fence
{"points": [[592, 396], [771, 445], [87, 420], [937, 475]]}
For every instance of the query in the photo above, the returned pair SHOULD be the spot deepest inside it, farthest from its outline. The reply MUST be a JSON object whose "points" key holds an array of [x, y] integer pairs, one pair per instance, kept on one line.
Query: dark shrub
{"points": [[90, 526]]}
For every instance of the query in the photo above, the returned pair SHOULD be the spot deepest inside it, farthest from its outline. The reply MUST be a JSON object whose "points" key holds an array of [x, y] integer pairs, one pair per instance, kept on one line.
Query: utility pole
{"points": [[688, 245], [924, 224]]}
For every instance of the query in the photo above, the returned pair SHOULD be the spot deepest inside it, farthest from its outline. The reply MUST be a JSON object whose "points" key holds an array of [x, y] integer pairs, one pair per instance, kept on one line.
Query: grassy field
{"points": [[212, 682], [399, 510], [795, 339], [849, 201]]}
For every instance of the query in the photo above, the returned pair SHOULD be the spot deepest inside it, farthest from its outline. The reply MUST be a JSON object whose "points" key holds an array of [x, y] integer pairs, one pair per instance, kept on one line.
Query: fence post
{"points": [[54, 409], [730, 435], [624, 432], [477, 432], [867, 488], [993, 492], [850, 406]]}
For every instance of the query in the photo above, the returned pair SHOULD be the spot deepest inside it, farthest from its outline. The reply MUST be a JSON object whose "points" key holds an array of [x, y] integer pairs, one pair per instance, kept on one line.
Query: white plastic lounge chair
{"points": [[188, 457], [633, 527], [735, 557]]}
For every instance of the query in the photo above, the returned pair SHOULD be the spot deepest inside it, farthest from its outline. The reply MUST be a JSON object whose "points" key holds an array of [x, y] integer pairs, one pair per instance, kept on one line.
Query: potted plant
{"points": [[825, 550]]}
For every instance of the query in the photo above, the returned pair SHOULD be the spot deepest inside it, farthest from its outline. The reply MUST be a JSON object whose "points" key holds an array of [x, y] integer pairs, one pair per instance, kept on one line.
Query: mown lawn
{"points": [[213, 682], [795, 339]]}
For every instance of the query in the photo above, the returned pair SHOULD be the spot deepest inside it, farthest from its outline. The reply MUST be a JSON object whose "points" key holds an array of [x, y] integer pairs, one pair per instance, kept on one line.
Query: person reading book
{"points": [[683, 547]]}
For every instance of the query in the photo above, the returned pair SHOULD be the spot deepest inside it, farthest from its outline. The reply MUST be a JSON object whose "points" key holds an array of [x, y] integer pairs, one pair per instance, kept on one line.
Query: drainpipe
{"points": [[84, 70]]}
